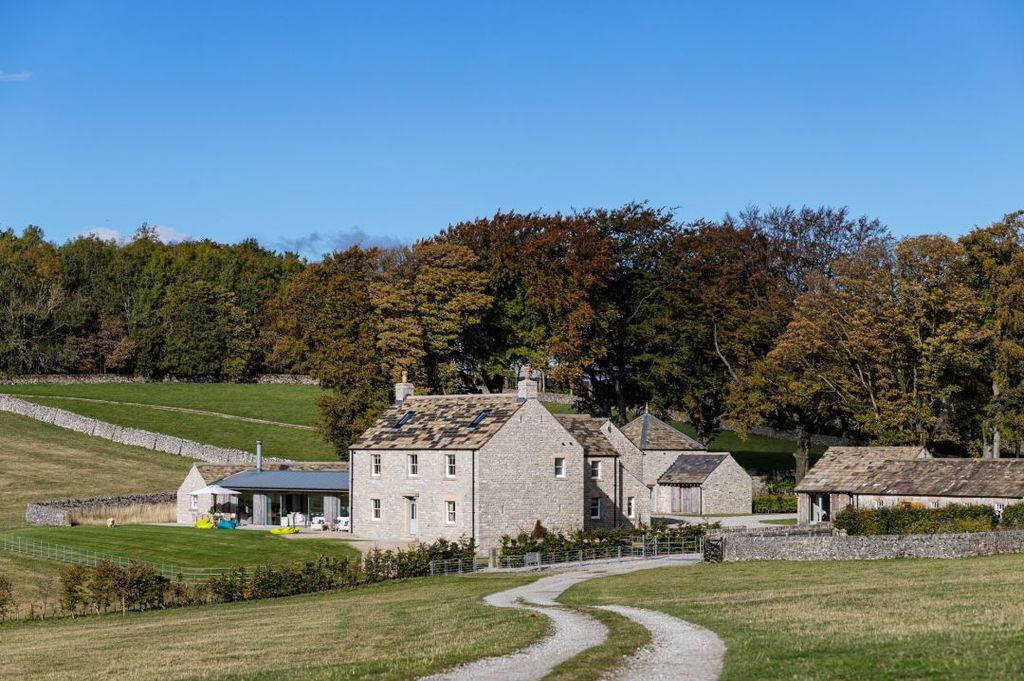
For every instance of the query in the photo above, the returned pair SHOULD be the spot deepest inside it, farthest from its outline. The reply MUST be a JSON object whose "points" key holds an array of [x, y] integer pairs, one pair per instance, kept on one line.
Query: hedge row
{"points": [[910, 519], [99, 588], [556, 542]]}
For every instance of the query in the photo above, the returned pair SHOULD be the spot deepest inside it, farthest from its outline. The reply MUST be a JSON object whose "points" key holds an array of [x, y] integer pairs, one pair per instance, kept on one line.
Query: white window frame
{"points": [[596, 464], [449, 512], [375, 465], [592, 515], [630, 507], [449, 466], [559, 466], [376, 509], [414, 465], [194, 504]]}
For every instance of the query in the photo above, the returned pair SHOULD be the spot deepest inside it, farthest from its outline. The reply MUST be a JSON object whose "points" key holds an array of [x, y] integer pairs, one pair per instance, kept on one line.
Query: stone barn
{"points": [[874, 477], [704, 484]]}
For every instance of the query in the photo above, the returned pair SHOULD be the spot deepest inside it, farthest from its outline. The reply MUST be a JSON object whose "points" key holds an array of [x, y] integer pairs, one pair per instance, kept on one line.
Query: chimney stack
{"points": [[259, 455], [527, 386], [403, 389]]}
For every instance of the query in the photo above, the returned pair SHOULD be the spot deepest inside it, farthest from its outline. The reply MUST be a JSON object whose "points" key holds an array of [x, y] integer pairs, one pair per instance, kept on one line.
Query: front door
{"points": [[820, 508], [412, 515]]}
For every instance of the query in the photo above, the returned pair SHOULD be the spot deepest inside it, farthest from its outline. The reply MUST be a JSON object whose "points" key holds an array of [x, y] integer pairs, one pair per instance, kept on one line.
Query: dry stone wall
{"points": [[157, 442], [826, 544], [55, 512]]}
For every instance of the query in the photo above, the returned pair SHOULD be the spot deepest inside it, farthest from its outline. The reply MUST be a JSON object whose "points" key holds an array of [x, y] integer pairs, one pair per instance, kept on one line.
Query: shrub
{"points": [[775, 503], [909, 519], [553, 542], [1013, 516], [7, 602]]}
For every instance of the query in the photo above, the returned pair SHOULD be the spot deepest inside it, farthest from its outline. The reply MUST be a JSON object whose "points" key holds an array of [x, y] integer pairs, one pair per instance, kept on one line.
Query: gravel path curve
{"points": [[575, 632], [678, 651]]}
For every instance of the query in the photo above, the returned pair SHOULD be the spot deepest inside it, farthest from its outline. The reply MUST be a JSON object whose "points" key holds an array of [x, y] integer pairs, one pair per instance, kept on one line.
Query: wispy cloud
{"points": [[164, 233], [316, 244], [13, 76]]}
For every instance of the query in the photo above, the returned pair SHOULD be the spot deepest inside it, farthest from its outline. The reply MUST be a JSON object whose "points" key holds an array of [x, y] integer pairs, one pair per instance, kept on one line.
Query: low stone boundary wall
{"points": [[55, 511], [83, 379], [806, 544], [129, 436]]}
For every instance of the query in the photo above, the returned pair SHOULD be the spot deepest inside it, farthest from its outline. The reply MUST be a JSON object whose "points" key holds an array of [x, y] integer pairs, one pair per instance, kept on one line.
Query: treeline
{"points": [[805, 319]]}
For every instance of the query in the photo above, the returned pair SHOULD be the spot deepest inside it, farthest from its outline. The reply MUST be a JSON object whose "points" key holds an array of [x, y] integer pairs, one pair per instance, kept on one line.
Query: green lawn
{"points": [[188, 546], [393, 630], [285, 403], [904, 619], [288, 443]]}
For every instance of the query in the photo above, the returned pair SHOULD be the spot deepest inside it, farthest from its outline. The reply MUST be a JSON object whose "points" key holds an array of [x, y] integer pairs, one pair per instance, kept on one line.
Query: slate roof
{"points": [[945, 478], [439, 422], [842, 469], [290, 480], [648, 432], [587, 431], [213, 472], [691, 469]]}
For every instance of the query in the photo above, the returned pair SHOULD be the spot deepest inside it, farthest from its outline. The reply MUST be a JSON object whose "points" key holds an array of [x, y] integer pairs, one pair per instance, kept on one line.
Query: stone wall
{"points": [[129, 436], [75, 379], [823, 543], [55, 512], [727, 489]]}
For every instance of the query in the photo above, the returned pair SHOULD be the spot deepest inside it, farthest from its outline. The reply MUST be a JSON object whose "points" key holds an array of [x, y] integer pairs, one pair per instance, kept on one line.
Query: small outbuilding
{"points": [[270, 495], [704, 484]]}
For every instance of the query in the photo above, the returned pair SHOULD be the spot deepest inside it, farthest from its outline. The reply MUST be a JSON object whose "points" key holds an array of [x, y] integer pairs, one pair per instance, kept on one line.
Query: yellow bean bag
{"points": [[204, 523], [284, 530]]}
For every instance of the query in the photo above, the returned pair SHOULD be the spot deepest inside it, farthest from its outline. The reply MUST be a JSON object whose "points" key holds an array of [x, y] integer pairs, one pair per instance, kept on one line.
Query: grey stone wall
{"points": [[727, 490], [55, 512], [516, 483], [824, 544], [431, 488], [129, 436]]}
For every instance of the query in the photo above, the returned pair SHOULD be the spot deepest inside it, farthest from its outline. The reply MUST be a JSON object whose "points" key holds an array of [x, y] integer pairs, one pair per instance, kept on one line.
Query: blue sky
{"points": [[310, 124]]}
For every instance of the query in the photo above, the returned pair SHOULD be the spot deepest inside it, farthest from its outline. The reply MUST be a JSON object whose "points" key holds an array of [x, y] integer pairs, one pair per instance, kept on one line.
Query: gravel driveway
{"points": [[678, 649]]}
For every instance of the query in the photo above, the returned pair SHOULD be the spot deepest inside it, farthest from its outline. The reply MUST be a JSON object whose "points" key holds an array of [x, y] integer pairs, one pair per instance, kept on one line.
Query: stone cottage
{"points": [[682, 476], [873, 477], [481, 466]]}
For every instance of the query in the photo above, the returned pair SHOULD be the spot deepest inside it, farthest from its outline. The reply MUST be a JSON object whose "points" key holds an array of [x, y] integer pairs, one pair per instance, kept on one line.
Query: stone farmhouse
{"points": [[482, 466], [873, 477], [682, 476]]}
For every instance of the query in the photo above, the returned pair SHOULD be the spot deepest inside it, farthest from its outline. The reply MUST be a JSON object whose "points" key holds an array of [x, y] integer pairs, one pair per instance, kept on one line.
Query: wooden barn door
{"points": [[690, 499]]}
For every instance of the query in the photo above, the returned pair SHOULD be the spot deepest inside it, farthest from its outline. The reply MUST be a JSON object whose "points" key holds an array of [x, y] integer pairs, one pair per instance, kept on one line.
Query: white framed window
{"points": [[414, 465], [631, 507], [595, 507], [375, 458], [878, 503], [450, 512], [559, 467], [375, 509], [999, 509], [935, 503], [595, 470], [450, 465], [654, 498], [194, 505]]}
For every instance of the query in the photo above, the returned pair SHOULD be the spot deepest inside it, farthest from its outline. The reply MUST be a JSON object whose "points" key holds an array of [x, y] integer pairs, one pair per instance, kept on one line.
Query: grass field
{"points": [[285, 403], [906, 619], [188, 546], [289, 443], [38, 461], [394, 630]]}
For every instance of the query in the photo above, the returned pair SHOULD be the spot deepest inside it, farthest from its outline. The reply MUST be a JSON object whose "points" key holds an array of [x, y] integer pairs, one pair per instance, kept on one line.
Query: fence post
{"points": [[581, 555]]}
